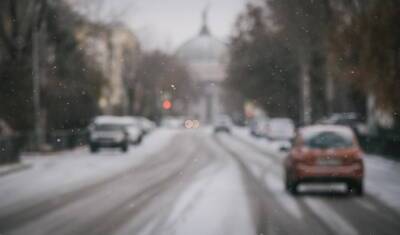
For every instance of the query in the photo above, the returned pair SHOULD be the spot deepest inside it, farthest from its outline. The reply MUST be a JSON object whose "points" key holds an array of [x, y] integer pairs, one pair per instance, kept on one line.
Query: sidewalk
{"points": [[11, 168]]}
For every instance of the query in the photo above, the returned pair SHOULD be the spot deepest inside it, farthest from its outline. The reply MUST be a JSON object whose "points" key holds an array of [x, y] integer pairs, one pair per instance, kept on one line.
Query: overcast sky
{"points": [[166, 24]]}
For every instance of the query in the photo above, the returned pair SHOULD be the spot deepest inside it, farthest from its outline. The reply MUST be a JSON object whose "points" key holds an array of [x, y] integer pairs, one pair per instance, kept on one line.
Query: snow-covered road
{"points": [[189, 182]]}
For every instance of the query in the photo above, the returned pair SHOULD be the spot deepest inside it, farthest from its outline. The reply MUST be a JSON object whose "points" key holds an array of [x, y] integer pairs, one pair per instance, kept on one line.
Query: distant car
{"points": [[108, 134], [146, 125], [281, 129], [173, 122], [325, 153], [223, 124], [259, 127], [133, 128], [351, 120]]}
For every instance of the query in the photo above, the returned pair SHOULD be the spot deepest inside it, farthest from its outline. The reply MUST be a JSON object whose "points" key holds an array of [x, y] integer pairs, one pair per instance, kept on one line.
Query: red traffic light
{"points": [[167, 104]]}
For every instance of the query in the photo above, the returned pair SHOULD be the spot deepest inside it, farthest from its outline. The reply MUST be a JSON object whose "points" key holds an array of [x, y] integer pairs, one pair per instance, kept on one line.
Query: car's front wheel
{"points": [[139, 140], [124, 148]]}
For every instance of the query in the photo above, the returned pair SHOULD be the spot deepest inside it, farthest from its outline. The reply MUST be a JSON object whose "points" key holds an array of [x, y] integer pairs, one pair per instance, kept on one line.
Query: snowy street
{"points": [[189, 182]]}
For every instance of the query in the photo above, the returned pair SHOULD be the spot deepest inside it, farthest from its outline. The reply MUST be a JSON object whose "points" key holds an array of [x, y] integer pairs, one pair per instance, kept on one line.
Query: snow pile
{"points": [[63, 172]]}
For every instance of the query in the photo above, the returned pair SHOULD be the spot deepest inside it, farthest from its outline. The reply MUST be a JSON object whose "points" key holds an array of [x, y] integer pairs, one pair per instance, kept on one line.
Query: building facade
{"points": [[116, 51]]}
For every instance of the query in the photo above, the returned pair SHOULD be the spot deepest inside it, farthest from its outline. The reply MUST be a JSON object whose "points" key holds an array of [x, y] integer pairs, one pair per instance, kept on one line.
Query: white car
{"points": [[280, 133], [107, 134], [133, 128], [130, 126], [281, 129], [146, 125], [173, 122], [223, 123], [259, 127]]}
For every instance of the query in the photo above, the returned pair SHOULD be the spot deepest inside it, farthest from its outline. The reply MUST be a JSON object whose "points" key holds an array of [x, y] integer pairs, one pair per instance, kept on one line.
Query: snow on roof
{"points": [[308, 131], [286, 121], [126, 120]]}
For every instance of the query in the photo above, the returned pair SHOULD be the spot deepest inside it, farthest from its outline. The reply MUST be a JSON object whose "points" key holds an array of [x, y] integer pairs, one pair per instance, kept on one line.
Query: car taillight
{"points": [[355, 158], [300, 156]]}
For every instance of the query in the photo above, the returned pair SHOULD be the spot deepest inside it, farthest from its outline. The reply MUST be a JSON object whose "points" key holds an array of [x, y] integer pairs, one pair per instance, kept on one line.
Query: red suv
{"points": [[325, 153]]}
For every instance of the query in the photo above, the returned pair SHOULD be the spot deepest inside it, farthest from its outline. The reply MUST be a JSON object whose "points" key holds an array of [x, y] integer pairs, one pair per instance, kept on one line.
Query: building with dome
{"points": [[206, 58]]}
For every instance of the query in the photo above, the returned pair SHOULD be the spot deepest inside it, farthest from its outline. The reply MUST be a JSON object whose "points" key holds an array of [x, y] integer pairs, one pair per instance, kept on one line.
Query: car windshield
{"points": [[109, 127], [327, 140], [199, 117]]}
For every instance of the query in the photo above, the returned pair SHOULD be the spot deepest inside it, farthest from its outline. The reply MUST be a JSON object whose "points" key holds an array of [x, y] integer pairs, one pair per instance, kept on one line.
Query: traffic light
{"points": [[167, 104]]}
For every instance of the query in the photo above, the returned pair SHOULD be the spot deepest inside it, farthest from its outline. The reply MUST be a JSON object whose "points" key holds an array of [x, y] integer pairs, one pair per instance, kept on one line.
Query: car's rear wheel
{"points": [[291, 185], [356, 188], [293, 188]]}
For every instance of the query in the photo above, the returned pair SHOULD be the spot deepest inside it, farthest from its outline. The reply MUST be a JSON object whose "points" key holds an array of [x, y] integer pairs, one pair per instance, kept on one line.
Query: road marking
{"points": [[366, 204], [191, 194], [276, 186], [331, 219]]}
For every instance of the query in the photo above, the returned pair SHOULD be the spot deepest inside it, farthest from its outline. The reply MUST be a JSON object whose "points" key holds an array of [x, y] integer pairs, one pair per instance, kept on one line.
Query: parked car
{"points": [[259, 127], [173, 122], [146, 125], [223, 123], [325, 153], [280, 129], [133, 127], [108, 134], [351, 120]]}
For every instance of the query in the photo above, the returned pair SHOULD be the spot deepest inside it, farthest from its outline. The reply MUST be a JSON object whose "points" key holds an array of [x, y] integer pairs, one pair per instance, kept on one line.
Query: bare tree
{"points": [[103, 11]]}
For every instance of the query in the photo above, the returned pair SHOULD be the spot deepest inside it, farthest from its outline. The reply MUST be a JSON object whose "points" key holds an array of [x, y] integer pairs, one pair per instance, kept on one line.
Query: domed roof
{"points": [[204, 55], [203, 48]]}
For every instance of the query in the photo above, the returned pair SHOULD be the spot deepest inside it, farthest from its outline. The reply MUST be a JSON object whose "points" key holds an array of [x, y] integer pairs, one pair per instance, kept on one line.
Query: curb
{"points": [[49, 153], [8, 169]]}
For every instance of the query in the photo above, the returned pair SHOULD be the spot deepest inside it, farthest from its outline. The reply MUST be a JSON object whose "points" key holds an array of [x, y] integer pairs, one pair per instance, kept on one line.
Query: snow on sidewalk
{"points": [[12, 168], [55, 174]]}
